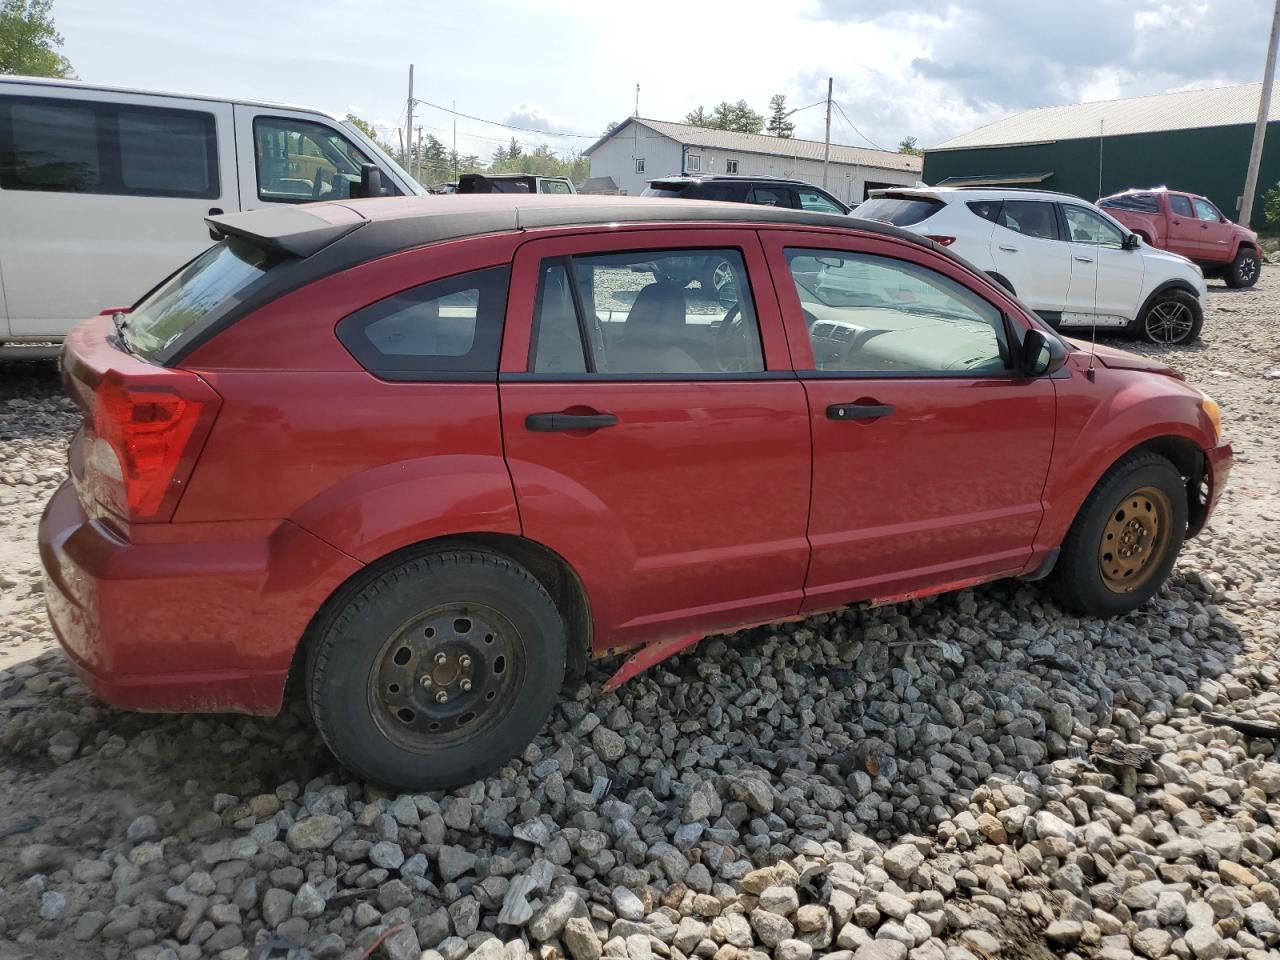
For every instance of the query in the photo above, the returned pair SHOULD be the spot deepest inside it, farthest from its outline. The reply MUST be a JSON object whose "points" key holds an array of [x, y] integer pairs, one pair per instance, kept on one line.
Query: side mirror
{"points": [[1131, 241], [1042, 355], [370, 182]]}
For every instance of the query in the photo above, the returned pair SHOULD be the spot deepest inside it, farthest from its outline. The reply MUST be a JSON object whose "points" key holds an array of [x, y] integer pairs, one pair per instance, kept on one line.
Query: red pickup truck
{"points": [[1189, 224]]}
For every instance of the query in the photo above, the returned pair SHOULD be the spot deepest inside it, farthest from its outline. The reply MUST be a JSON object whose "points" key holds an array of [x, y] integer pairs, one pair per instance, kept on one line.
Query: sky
{"points": [[930, 69]]}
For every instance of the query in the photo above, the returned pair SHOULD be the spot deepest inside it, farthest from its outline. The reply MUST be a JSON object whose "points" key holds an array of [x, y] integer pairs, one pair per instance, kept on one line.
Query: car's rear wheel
{"points": [[438, 670], [1125, 539], [1245, 269], [1172, 317]]}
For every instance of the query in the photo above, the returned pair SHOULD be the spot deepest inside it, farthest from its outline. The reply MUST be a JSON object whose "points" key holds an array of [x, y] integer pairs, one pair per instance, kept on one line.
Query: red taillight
{"points": [[150, 433], [940, 239]]}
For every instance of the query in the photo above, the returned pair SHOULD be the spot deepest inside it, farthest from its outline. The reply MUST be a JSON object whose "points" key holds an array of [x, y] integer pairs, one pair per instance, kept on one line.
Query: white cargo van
{"points": [[104, 191]]}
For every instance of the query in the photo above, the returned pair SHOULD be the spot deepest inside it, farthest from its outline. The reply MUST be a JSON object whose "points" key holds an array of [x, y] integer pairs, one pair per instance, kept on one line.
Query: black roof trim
{"points": [[288, 229]]}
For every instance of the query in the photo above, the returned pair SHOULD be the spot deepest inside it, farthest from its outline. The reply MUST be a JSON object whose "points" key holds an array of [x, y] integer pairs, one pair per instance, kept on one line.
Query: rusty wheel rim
{"points": [[1134, 539], [446, 677]]}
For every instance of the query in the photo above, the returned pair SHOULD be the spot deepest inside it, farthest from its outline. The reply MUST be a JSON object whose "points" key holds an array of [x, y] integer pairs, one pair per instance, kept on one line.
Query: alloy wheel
{"points": [[1169, 321]]}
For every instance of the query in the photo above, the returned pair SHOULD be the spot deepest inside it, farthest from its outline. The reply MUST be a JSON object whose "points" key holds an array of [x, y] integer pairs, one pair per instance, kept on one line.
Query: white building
{"points": [[640, 150]]}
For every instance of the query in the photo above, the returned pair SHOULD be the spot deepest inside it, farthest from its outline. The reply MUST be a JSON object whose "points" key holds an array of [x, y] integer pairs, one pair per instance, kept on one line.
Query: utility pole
{"points": [[1260, 128], [637, 113], [454, 111], [826, 150], [408, 125]]}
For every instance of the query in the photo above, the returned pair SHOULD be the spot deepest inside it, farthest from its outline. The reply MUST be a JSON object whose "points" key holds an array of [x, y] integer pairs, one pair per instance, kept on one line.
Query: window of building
{"points": [[80, 146], [693, 162], [731, 166], [451, 326], [639, 164]]}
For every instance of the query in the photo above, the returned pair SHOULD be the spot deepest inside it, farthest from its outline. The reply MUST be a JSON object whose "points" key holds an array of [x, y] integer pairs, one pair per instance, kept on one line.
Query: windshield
{"points": [[899, 211], [178, 304]]}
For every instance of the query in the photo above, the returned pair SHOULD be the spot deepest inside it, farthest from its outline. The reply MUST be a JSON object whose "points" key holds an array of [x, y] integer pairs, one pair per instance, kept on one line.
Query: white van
{"points": [[104, 191]]}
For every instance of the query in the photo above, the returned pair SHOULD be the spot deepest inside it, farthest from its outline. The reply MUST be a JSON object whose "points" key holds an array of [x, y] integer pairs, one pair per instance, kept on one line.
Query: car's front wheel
{"points": [[1125, 539], [436, 671], [1245, 269], [1172, 317]]}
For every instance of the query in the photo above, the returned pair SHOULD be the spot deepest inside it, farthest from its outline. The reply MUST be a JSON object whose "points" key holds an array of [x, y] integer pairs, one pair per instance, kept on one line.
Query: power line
{"points": [[509, 126], [854, 128]]}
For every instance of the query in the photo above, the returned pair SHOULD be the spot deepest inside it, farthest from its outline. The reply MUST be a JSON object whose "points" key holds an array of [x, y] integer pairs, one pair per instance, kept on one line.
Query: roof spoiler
{"points": [[286, 229], [922, 193]]}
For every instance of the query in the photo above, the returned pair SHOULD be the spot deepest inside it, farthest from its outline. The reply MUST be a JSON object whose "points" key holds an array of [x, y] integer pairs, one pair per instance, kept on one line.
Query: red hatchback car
{"points": [[429, 455]]}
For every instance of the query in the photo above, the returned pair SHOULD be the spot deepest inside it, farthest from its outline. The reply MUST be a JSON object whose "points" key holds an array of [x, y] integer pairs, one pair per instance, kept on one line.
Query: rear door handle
{"points": [[1084, 259], [858, 411], [1008, 249], [556, 422]]}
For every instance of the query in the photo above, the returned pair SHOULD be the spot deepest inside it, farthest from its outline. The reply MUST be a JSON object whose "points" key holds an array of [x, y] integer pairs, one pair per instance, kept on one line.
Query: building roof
{"points": [[790, 147], [1183, 110], [598, 185]]}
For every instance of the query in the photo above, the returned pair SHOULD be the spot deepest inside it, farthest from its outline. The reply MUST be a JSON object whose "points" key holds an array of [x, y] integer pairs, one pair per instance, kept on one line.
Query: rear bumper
{"points": [[1217, 470], [203, 626]]}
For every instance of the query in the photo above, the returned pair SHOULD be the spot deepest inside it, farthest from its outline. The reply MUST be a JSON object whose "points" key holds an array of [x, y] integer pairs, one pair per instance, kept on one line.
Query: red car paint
{"points": [[714, 505], [1184, 223]]}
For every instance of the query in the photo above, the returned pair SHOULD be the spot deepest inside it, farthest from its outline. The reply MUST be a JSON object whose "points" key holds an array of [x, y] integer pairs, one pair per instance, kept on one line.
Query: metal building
{"points": [[1196, 140]]}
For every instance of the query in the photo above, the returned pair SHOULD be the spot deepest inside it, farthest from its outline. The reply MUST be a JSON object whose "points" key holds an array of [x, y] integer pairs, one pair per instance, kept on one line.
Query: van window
{"points": [[179, 304], [80, 146], [299, 161]]}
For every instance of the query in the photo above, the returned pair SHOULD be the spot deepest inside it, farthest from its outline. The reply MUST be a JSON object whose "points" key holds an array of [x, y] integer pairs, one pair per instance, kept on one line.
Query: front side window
{"points": [[553, 186], [1085, 226], [731, 166], [693, 162], [300, 161], [770, 197], [1031, 218], [875, 315], [1206, 210], [1180, 205], [450, 327], [646, 313], [819, 203], [75, 146]]}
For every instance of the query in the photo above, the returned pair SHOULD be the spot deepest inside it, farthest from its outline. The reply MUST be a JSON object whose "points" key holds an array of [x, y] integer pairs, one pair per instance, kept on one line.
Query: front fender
{"points": [[379, 511]]}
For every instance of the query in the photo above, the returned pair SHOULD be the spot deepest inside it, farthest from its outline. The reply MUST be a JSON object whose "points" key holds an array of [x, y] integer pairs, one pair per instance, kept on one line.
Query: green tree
{"points": [[499, 157], [434, 161], [908, 145], [779, 125], [698, 117], [514, 150], [29, 41], [368, 129], [1271, 208], [736, 116]]}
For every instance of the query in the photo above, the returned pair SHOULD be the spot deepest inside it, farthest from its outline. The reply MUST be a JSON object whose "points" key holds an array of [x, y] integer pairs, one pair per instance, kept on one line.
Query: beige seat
{"points": [[653, 338]]}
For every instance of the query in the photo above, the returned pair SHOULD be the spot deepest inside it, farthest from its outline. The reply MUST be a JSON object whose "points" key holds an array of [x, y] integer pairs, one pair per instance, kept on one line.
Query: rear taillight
{"points": [[144, 441], [941, 240]]}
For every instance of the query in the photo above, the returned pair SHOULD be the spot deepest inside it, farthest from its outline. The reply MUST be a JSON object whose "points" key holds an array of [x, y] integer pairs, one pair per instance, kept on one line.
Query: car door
{"points": [[1106, 279], [296, 157], [1184, 228], [930, 453], [668, 463], [1027, 249], [104, 195], [1216, 234]]}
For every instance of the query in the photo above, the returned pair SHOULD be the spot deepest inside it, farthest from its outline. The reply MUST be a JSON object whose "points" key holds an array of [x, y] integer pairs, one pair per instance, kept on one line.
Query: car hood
{"points": [[1115, 359]]}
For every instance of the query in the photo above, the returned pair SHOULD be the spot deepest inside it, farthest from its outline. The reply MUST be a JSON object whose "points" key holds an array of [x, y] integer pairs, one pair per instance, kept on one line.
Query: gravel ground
{"points": [[972, 776]]}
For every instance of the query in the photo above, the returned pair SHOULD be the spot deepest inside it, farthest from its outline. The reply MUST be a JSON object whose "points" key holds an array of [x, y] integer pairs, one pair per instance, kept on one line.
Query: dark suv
{"points": [[766, 191]]}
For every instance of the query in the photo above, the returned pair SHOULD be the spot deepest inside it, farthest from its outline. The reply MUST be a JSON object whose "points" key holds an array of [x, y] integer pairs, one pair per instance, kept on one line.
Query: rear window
{"points": [[179, 304], [448, 329], [1140, 202], [899, 211], [661, 189]]}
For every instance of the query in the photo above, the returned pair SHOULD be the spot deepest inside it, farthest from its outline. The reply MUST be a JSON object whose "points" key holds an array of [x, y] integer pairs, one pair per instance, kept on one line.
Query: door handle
{"points": [[1084, 259], [858, 411], [556, 422], [1008, 249]]}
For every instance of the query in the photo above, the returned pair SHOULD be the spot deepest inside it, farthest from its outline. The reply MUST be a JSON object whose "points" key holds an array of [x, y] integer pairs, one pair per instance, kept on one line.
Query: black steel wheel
{"points": [[1244, 270], [434, 672]]}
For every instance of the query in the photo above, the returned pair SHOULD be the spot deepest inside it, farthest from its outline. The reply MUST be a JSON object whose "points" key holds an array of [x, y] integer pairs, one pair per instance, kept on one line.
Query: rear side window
{"points": [[1180, 205], [179, 304], [899, 211], [79, 146], [986, 209], [446, 329], [1137, 202], [1032, 218]]}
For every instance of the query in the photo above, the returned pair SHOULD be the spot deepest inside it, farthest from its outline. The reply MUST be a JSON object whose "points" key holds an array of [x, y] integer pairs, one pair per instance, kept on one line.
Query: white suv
{"points": [[1062, 256]]}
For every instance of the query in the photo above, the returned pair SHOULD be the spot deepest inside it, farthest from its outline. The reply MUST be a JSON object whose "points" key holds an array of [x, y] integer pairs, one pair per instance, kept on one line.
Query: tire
{"points": [[1171, 317], [373, 677], [1092, 580], [707, 276], [1245, 269]]}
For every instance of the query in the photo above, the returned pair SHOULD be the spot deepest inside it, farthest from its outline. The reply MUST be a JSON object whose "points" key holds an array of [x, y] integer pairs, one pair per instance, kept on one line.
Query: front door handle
{"points": [[1008, 249], [1084, 259], [858, 411], [557, 422]]}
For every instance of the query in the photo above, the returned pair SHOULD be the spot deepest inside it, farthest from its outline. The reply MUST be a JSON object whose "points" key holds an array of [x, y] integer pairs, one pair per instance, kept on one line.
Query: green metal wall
{"points": [[1210, 161]]}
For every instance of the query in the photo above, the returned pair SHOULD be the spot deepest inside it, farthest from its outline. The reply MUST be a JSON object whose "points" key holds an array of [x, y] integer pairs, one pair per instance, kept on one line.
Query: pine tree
{"points": [[699, 118], [779, 125]]}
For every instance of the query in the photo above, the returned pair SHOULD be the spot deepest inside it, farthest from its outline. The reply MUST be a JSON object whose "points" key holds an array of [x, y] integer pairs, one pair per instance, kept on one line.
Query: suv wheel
{"points": [[1245, 269], [437, 671], [1125, 539], [1172, 317]]}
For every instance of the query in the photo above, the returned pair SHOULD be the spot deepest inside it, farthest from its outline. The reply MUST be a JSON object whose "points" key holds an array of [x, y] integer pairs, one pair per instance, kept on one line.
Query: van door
{"points": [[289, 156], [103, 195]]}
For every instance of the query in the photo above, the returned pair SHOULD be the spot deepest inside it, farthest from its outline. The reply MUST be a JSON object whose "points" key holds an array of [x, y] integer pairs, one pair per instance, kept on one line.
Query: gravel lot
{"points": [[972, 776]]}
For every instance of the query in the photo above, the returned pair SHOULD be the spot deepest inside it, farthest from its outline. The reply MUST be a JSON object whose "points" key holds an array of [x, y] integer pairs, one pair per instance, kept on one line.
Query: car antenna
{"points": [[1092, 372]]}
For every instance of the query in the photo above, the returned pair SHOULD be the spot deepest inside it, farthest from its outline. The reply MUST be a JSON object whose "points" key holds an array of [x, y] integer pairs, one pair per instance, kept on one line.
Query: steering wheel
{"points": [[732, 347]]}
